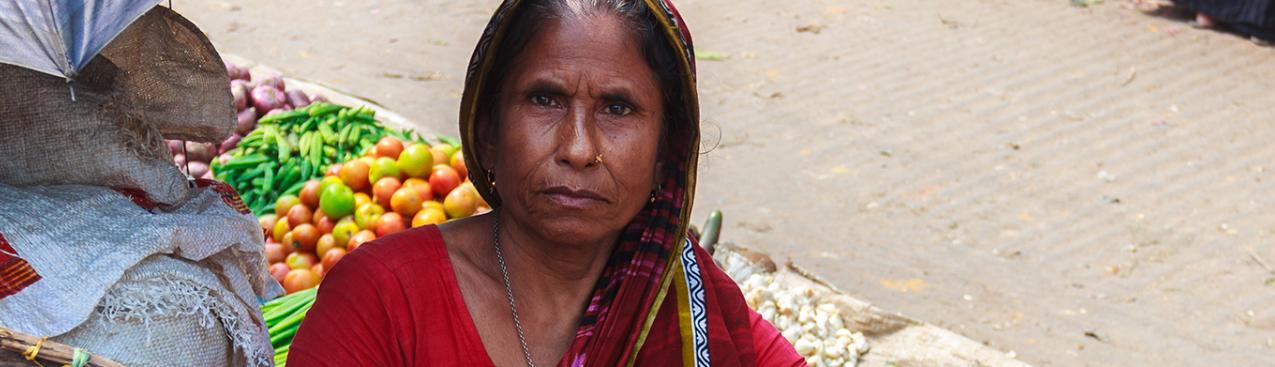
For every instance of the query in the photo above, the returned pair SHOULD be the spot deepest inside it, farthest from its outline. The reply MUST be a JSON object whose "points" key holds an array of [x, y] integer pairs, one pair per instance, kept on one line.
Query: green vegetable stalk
{"points": [[283, 317], [289, 148]]}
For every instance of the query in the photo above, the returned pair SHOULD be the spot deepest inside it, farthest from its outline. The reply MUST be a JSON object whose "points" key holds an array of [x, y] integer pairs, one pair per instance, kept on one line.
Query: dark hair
{"points": [[660, 56]]}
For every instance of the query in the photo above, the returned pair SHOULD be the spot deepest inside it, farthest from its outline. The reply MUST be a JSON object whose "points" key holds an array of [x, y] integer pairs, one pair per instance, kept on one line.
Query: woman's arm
{"points": [[772, 348]]}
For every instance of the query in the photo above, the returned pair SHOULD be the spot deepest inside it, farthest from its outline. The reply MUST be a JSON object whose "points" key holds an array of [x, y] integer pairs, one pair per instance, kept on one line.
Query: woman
{"points": [[580, 125]]}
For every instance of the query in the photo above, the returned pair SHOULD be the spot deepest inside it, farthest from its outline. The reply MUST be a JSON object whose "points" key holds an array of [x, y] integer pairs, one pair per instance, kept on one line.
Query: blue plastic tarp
{"points": [[59, 37]]}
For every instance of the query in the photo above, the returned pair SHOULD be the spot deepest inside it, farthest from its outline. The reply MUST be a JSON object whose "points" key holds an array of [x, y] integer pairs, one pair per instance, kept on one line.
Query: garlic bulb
{"points": [[816, 330]]}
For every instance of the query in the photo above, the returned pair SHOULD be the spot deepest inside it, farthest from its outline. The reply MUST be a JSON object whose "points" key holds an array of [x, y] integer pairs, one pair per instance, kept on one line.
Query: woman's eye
{"points": [[541, 100], [619, 109]]}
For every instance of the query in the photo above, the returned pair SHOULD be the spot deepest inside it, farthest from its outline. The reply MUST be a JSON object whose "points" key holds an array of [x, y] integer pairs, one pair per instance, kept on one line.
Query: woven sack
{"points": [[160, 78], [175, 79], [77, 255], [165, 312], [47, 139]]}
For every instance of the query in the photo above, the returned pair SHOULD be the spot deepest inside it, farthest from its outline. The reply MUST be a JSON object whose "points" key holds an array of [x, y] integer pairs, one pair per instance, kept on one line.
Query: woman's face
{"points": [[580, 89]]}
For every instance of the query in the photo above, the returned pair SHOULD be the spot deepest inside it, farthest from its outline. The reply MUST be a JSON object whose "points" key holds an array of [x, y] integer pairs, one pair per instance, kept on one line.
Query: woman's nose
{"points": [[577, 147]]}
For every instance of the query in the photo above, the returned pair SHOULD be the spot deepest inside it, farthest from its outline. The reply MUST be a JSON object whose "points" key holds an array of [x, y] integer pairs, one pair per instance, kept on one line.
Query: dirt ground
{"points": [[1081, 186]]}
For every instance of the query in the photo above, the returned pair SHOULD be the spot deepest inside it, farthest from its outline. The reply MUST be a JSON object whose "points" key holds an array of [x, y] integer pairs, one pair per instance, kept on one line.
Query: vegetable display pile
{"points": [[313, 223], [393, 186], [288, 148], [323, 179]]}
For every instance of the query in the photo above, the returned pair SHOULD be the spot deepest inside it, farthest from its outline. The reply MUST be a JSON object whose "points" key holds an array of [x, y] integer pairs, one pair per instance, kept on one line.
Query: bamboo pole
{"points": [[49, 350]]}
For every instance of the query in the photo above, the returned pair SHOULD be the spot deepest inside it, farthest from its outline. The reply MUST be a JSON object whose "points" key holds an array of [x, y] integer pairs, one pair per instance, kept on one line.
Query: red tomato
{"points": [[298, 215], [318, 214], [389, 147], [299, 280], [384, 189], [306, 237], [310, 194], [275, 253], [278, 271], [406, 201], [332, 257], [324, 224], [389, 223], [421, 186], [319, 270], [443, 180], [359, 238], [354, 174], [289, 242]]}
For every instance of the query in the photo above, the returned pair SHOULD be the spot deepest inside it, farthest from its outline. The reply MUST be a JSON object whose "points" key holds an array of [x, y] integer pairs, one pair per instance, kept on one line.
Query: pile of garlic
{"points": [[815, 329]]}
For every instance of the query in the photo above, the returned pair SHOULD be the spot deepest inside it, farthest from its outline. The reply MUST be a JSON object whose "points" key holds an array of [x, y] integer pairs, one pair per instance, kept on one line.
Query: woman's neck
{"points": [[565, 271]]}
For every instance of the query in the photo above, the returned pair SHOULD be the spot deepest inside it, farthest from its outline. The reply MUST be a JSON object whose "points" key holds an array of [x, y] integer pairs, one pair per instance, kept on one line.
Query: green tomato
{"points": [[383, 167], [328, 181], [337, 200], [367, 215], [343, 230], [416, 161]]}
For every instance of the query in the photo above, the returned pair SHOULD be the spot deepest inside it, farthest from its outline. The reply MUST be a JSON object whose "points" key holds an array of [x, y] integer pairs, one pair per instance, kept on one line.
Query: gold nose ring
{"points": [[598, 158]]}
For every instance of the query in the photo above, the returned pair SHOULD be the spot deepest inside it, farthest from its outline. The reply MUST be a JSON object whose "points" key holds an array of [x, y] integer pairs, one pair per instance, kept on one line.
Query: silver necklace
{"points": [[509, 290]]}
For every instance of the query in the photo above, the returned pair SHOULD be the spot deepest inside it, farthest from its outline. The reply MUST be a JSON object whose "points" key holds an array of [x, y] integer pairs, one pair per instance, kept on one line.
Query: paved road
{"points": [[1082, 186]]}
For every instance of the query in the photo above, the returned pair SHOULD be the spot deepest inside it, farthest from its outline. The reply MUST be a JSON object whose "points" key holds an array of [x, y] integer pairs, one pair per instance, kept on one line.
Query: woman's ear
{"points": [[489, 142], [659, 174]]}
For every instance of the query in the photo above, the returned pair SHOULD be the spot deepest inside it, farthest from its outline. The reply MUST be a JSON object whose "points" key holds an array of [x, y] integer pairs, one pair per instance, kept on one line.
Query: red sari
{"points": [[395, 302]]}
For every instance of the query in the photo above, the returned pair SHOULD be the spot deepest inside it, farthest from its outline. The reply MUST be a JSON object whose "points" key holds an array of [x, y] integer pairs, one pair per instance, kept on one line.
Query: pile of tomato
{"points": [[397, 185]]}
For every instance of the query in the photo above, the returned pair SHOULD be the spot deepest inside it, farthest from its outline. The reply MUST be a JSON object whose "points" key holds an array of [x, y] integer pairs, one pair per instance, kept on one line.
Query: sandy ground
{"points": [[1082, 186]]}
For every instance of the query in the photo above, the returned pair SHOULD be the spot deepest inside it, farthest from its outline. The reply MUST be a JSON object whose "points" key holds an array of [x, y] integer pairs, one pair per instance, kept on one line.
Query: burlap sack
{"points": [[46, 139], [174, 77], [160, 78]]}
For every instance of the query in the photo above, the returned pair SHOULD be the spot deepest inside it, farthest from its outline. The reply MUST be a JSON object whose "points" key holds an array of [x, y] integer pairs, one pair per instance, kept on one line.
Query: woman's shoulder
{"points": [[400, 251], [401, 260], [408, 257], [397, 296]]}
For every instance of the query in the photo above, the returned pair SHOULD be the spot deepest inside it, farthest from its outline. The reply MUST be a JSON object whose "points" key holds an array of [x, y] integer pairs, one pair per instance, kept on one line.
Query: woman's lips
{"points": [[574, 198]]}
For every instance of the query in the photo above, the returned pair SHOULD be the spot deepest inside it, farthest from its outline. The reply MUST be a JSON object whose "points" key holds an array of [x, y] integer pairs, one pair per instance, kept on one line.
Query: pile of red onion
{"points": [[266, 93]]}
